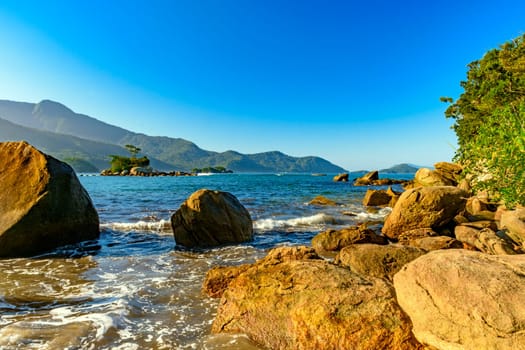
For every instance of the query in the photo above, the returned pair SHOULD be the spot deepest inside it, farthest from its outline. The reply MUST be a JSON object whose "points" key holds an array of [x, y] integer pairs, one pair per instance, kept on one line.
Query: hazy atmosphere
{"points": [[357, 83]]}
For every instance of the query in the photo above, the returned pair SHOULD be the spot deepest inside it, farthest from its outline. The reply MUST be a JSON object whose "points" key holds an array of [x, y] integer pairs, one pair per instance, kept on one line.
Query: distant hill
{"points": [[63, 133], [401, 169], [80, 153]]}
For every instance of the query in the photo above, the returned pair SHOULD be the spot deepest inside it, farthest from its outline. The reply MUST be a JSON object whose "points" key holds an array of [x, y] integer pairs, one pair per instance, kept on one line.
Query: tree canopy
{"points": [[490, 122]]}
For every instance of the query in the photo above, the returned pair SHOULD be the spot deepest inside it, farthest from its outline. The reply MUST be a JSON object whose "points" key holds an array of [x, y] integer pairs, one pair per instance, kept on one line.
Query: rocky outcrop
{"points": [[380, 198], [341, 177], [211, 218], [313, 304], [372, 179], [458, 299], [435, 243], [424, 207], [382, 261], [514, 223], [219, 277], [334, 240], [484, 239], [322, 200], [444, 174], [42, 203]]}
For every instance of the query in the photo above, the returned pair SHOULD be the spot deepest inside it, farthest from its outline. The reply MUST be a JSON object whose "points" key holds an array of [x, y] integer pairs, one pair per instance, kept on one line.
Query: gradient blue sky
{"points": [[355, 82]]}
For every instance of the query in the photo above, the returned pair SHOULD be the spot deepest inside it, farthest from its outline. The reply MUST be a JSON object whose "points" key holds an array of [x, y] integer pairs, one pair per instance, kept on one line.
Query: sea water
{"points": [[134, 288]]}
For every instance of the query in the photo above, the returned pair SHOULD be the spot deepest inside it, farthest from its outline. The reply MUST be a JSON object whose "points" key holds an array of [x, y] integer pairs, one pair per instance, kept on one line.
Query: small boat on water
{"points": [[318, 174]]}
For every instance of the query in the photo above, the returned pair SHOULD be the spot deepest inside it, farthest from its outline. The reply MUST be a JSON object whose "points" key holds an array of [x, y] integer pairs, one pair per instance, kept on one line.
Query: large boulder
{"points": [[334, 240], [382, 261], [424, 207], [313, 304], [42, 203], [211, 218], [459, 299]]}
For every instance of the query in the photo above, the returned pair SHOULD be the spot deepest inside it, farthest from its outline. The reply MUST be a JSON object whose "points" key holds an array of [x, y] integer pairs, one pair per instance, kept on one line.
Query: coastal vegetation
{"points": [[121, 163], [489, 123], [213, 170]]}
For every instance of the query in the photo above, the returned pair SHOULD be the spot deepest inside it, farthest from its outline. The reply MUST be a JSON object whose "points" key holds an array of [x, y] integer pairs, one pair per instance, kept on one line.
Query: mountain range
{"points": [[86, 143]]}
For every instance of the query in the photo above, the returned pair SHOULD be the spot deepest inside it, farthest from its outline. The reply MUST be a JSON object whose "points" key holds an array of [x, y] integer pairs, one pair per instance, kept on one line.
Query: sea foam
{"points": [[313, 221]]}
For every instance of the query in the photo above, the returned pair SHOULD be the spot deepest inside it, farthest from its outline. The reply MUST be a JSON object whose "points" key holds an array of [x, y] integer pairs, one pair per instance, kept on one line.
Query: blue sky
{"points": [[355, 82]]}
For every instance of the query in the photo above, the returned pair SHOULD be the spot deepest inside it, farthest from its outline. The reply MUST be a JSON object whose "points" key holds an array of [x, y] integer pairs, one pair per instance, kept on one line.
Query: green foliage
{"points": [[134, 150], [214, 170], [490, 122], [120, 163]]}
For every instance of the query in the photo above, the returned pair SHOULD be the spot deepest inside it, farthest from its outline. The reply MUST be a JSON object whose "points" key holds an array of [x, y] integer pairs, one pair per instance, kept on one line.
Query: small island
{"points": [[134, 166]]}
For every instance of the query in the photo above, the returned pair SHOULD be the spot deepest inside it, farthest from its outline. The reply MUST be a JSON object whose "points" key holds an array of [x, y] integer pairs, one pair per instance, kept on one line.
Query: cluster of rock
{"points": [[43, 206], [408, 287], [446, 272], [141, 171], [42, 203], [369, 179]]}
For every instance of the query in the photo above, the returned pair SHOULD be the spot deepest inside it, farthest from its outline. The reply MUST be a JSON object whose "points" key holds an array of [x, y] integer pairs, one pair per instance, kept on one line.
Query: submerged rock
{"points": [[322, 200], [211, 218], [42, 203], [459, 299], [313, 304]]}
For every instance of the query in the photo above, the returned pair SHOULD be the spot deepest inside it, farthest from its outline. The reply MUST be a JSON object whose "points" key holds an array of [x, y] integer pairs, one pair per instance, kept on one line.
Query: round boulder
{"points": [[424, 207], [42, 203], [211, 218]]}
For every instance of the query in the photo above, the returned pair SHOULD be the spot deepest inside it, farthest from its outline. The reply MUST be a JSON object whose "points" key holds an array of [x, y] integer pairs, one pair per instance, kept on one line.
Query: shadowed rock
{"points": [[211, 218], [42, 203]]}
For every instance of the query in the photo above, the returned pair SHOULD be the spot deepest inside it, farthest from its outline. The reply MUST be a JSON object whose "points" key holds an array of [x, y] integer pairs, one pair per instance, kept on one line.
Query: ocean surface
{"points": [[134, 288]]}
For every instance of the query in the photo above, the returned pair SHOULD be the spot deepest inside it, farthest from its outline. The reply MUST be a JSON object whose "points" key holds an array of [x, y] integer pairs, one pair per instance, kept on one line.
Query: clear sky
{"points": [[355, 82]]}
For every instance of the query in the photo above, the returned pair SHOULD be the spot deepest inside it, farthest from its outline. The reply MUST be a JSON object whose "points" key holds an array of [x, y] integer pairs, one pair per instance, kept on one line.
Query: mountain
{"points": [[401, 169], [65, 134], [85, 154]]}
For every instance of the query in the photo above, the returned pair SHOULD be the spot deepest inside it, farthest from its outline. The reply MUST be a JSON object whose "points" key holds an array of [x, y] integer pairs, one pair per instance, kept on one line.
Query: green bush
{"points": [[120, 163], [490, 122]]}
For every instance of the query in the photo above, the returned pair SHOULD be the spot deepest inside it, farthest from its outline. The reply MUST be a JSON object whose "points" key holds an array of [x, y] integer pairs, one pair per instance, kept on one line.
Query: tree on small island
{"points": [[121, 163], [134, 150]]}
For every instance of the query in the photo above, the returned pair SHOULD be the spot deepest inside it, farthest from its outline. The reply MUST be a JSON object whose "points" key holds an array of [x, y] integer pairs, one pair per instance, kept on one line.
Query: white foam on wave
{"points": [[379, 215], [161, 226], [300, 222]]}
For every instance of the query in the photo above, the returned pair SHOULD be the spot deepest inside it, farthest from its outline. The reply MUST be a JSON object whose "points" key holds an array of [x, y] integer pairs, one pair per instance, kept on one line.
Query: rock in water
{"points": [[42, 203], [211, 218], [313, 304], [459, 299]]}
